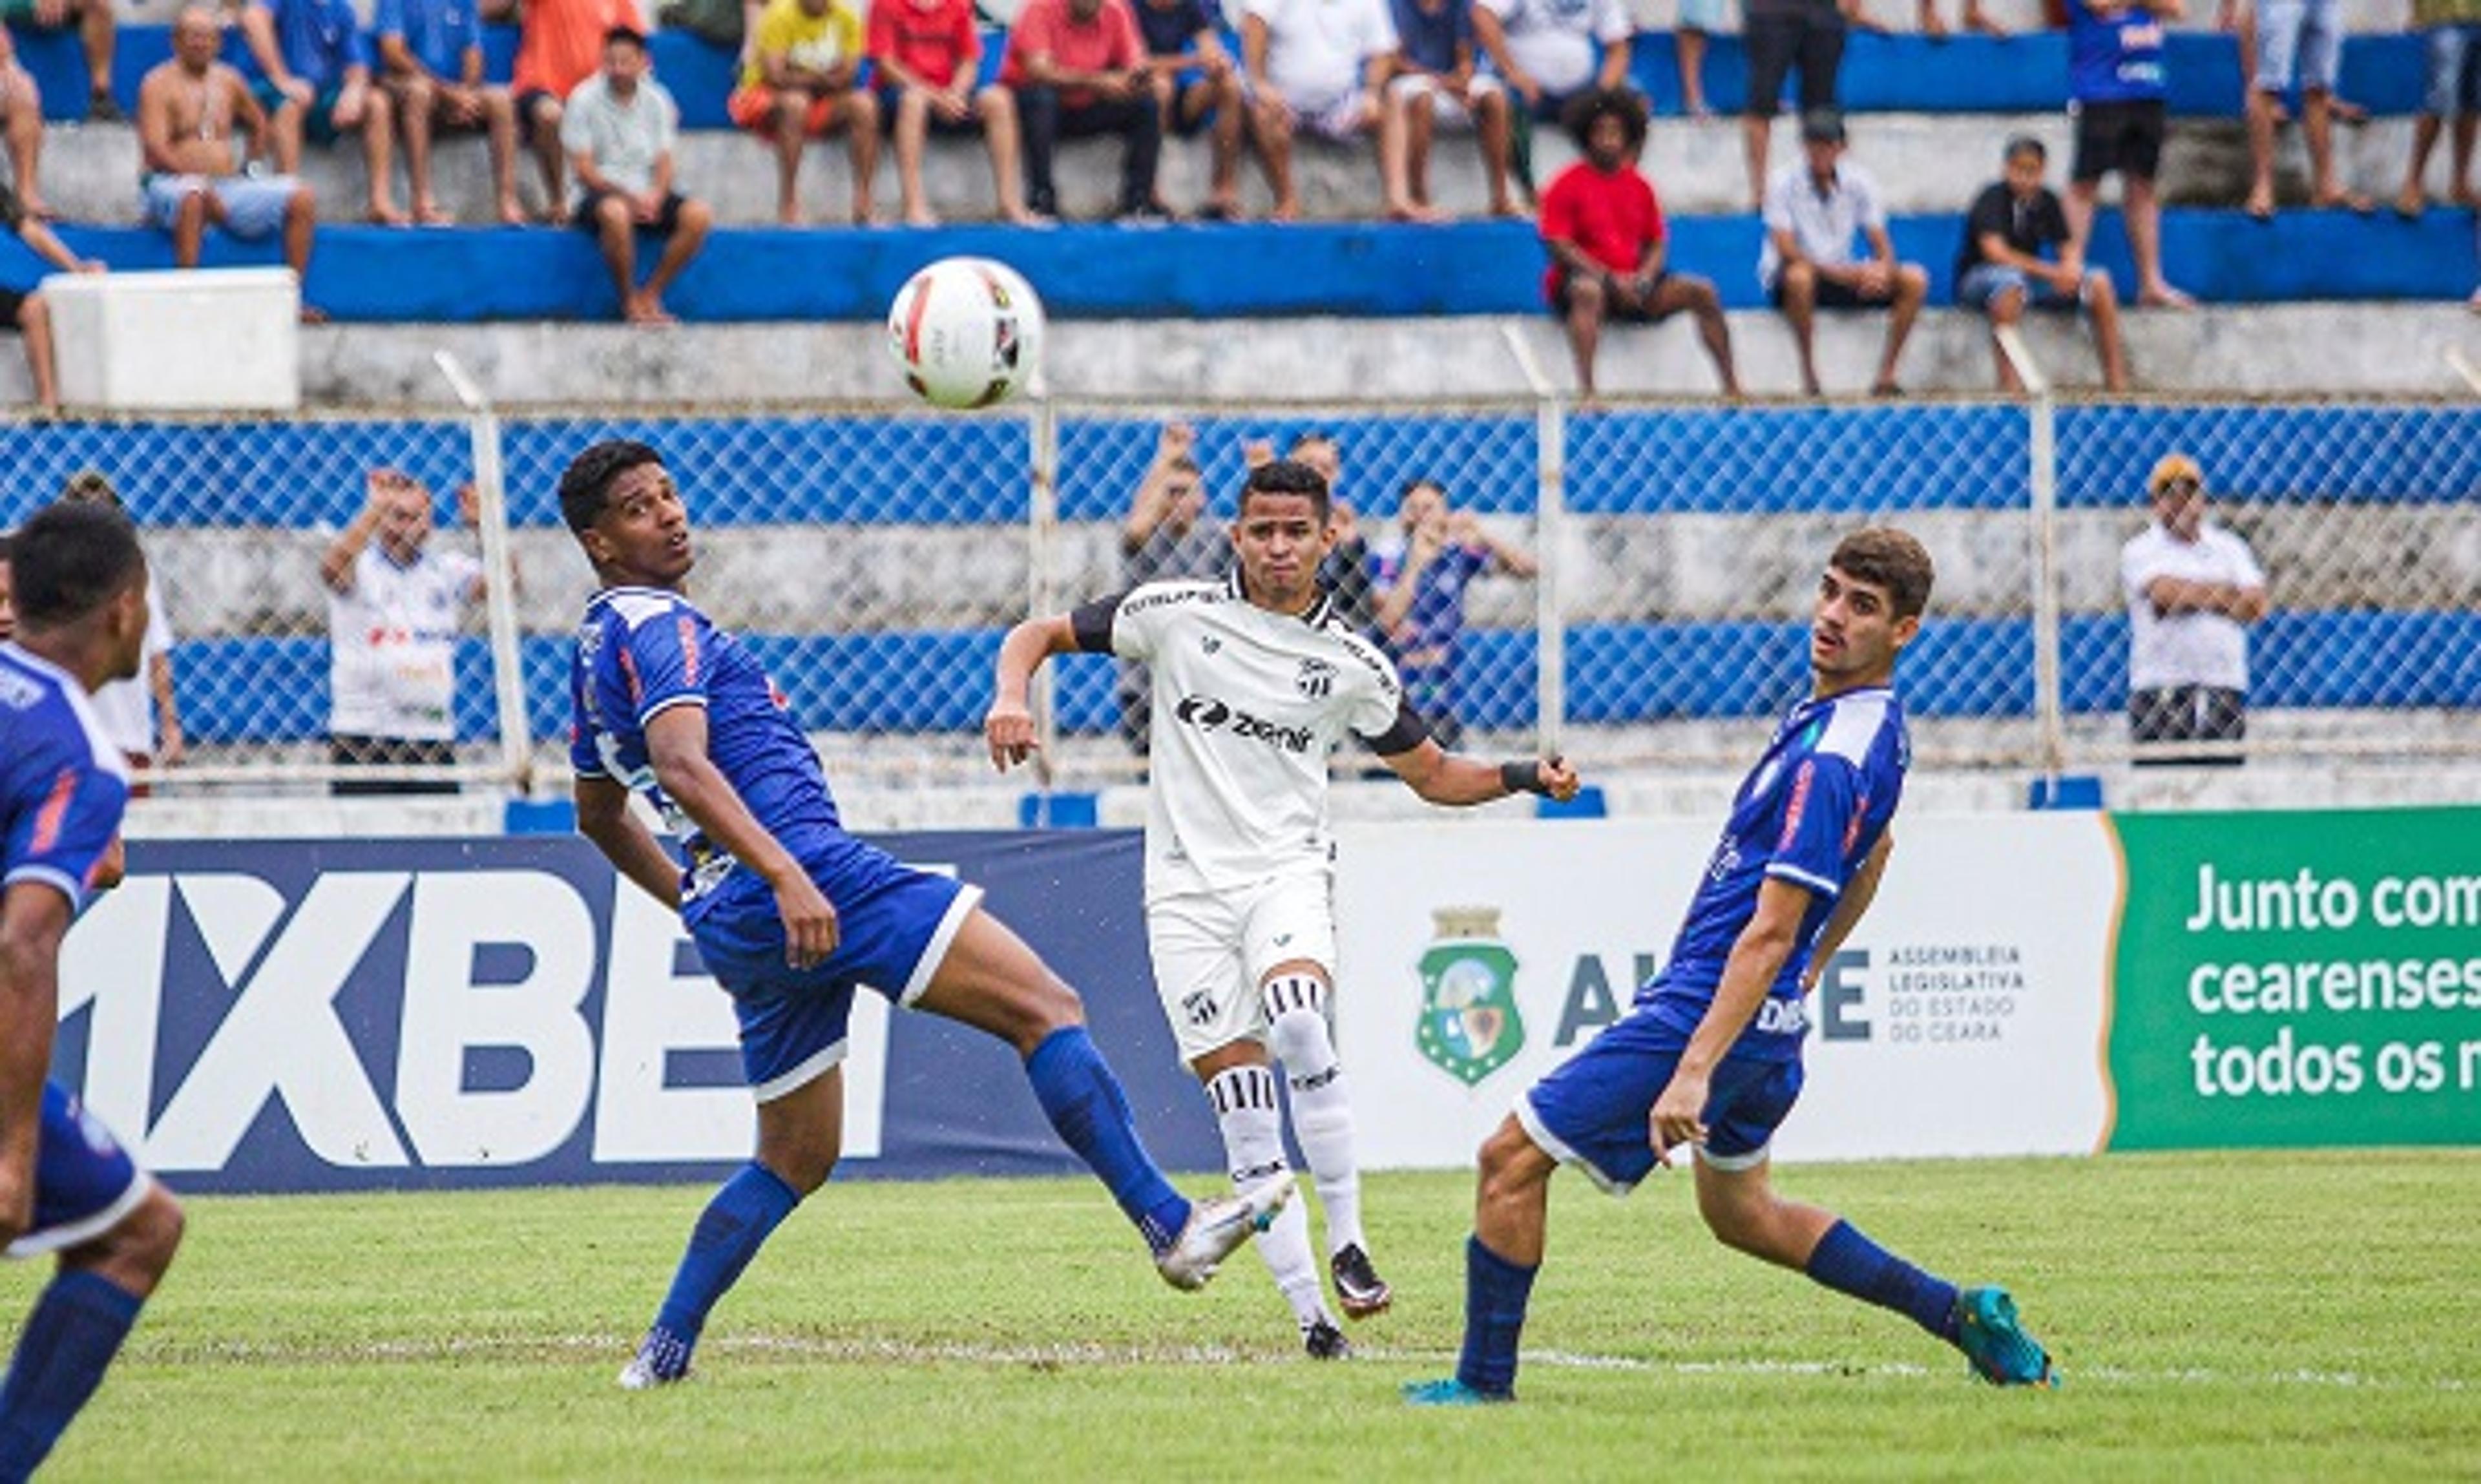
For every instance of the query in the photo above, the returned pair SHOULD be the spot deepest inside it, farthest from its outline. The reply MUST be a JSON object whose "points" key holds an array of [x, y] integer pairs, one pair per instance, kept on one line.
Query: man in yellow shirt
{"points": [[802, 83]]}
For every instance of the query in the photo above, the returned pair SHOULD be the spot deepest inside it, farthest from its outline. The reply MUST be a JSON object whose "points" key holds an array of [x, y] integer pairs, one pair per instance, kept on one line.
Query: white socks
{"points": [[1321, 1106], [1253, 1141]]}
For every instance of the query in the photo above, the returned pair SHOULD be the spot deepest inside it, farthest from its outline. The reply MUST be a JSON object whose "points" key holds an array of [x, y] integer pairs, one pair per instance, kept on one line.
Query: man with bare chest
{"points": [[188, 111]]}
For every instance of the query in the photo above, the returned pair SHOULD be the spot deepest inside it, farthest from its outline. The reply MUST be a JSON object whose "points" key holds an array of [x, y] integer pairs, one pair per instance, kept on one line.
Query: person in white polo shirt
{"points": [[2193, 588], [1815, 208], [395, 606]]}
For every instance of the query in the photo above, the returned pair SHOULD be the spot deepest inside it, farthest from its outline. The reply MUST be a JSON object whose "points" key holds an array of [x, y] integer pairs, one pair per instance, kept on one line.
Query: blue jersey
{"points": [[643, 650], [63, 784], [1809, 814], [438, 31], [320, 39], [2115, 58]]}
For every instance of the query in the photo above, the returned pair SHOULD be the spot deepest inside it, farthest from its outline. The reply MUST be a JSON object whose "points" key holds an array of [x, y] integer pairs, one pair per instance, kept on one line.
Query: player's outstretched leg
{"points": [[1246, 1110], [1296, 1007], [78, 1325]]}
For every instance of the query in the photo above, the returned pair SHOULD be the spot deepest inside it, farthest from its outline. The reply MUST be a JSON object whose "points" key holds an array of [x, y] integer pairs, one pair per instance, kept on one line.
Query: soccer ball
{"points": [[966, 332]]}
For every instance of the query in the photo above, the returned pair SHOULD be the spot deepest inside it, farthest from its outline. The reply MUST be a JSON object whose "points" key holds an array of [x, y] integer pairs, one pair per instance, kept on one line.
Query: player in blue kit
{"points": [[1707, 1059], [792, 914], [67, 1186]]}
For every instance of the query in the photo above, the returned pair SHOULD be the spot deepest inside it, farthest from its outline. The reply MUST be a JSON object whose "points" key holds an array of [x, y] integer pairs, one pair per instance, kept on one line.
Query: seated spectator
{"points": [[1975, 18], [1079, 68], [802, 81], [2451, 44], [927, 56], [1549, 53], [1436, 88], [1418, 579], [2000, 269], [24, 309], [394, 603], [560, 45], [619, 128], [1197, 89], [1320, 66], [1167, 536], [1605, 236], [97, 35], [431, 62], [2301, 40], [188, 109], [1782, 34], [314, 65], [21, 125], [1814, 208]]}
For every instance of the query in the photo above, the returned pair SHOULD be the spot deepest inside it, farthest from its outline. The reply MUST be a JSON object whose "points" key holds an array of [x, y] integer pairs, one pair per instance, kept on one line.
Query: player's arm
{"points": [[1757, 956], [1858, 893], [1008, 726], [604, 817], [34, 918], [1443, 777], [676, 745]]}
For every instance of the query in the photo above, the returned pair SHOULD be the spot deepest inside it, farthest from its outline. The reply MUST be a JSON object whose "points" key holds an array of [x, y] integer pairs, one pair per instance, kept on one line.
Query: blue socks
{"points": [[1084, 1104], [1495, 1294], [1850, 1262], [71, 1336], [728, 1233]]}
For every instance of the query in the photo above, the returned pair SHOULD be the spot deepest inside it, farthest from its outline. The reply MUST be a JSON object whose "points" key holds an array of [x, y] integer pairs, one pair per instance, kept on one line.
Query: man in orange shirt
{"points": [[559, 44], [1078, 67]]}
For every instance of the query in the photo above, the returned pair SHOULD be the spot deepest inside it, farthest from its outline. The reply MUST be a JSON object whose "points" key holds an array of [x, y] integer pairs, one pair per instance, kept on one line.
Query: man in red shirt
{"points": [[1605, 233], [1078, 67], [928, 55]]}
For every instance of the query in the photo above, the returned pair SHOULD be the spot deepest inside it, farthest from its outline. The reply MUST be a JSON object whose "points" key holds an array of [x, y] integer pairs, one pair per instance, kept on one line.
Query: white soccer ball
{"points": [[966, 332]]}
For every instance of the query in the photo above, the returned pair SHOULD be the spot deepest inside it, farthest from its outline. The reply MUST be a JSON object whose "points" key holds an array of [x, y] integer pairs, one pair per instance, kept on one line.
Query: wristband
{"points": [[1522, 776]]}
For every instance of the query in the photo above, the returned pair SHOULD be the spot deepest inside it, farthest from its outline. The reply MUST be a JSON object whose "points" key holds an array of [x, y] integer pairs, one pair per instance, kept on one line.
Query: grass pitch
{"points": [[2275, 1315]]}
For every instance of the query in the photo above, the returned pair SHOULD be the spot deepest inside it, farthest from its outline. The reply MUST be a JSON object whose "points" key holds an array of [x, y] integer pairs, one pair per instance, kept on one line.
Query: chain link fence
{"points": [[1634, 589]]}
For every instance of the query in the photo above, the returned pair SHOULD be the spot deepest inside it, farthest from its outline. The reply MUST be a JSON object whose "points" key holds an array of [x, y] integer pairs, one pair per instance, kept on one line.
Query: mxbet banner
{"points": [[352, 1014]]}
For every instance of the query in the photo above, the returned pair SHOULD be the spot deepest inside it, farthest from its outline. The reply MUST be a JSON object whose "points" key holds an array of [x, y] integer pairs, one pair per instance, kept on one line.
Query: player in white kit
{"points": [[1254, 685]]}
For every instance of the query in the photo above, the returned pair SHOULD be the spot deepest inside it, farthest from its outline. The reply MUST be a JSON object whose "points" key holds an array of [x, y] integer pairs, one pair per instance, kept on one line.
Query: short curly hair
{"points": [[1626, 104]]}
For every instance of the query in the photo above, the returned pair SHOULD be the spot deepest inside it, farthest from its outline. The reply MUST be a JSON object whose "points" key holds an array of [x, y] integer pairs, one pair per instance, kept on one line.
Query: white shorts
{"points": [[1337, 119], [1211, 951], [1446, 111]]}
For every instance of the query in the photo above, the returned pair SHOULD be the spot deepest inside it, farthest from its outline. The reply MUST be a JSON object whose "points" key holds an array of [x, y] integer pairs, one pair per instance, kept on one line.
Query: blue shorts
{"points": [[254, 205], [2454, 81], [1983, 282], [2298, 39], [85, 1183], [895, 924], [1592, 1110]]}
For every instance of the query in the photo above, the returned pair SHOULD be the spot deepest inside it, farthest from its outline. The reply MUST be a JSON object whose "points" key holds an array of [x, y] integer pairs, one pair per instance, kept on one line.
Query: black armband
{"points": [[1522, 776]]}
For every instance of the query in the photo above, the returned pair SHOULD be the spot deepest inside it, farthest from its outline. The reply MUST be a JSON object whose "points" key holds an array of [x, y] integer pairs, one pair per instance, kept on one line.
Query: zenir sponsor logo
{"points": [[1210, 715]]}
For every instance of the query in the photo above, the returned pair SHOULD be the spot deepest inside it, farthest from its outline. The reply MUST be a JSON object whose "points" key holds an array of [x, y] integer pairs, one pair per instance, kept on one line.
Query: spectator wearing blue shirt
{"points": [[2116, 85], [314, 78], [430, 64], [1419, 585], [1197, 90], [1435, 88]]}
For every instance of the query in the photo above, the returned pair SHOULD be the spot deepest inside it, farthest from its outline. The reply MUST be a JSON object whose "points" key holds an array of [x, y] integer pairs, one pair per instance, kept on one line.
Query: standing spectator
{"points": [[97, 37], [928, 57], [804, 81], [2000, 269], [1197, 89], [314, 64], [560, 45], [1605, 232], [1079, 68], [25, 309], [22, 124], [2451, 40], [141, 715], [619, 128], [2116, 88], [2192, 589], [1346, 571], [1698, 20], [1814, 208], [1321, 65], [188, 110], [394, 609], [1781, 35], [2300, 40], [431, 62], [1419, 579], [1436, 88], [1167, 538]]}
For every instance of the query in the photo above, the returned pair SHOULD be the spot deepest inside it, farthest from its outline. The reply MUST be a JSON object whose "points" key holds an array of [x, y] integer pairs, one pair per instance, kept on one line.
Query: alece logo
{"points": [[1470, 1025]]}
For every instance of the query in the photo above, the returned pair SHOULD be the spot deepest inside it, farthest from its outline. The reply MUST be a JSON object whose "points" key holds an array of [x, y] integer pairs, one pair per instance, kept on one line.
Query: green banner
{"points": [[2298, 979]]}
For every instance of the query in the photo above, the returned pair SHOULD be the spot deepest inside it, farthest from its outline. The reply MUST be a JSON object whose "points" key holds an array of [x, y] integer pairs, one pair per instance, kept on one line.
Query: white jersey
{"points": [[2185, 649], [1246, 706], [125, 708], [392, 639]]}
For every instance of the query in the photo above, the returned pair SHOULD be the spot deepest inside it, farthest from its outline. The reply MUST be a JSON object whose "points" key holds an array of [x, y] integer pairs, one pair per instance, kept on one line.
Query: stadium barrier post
{"points": [[1551, 520], [2041, 480], [500, 594]]}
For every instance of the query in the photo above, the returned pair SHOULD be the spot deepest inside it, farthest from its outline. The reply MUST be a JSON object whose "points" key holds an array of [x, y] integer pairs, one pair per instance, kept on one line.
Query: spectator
{"points": [[314, 64], [393, 610], [2192, 589], [2300, 40], [1550, 51], [1321, 65], [1780, 36], [1435, 87], [928, 57], [431, 64], [26, 308], [1605, 232], [1345, 570], [1197, 90], [559, 44], [1079, 68], [2451, 39], [1975, 18], [802, 81], [7, 607], [619, 128], [1167, 536], [188, 110], [97, 35], [141, 715], [21, 125], [1698, 19], [1419, 579], [1812, 210], [2116, 86], [2000, 269]]}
